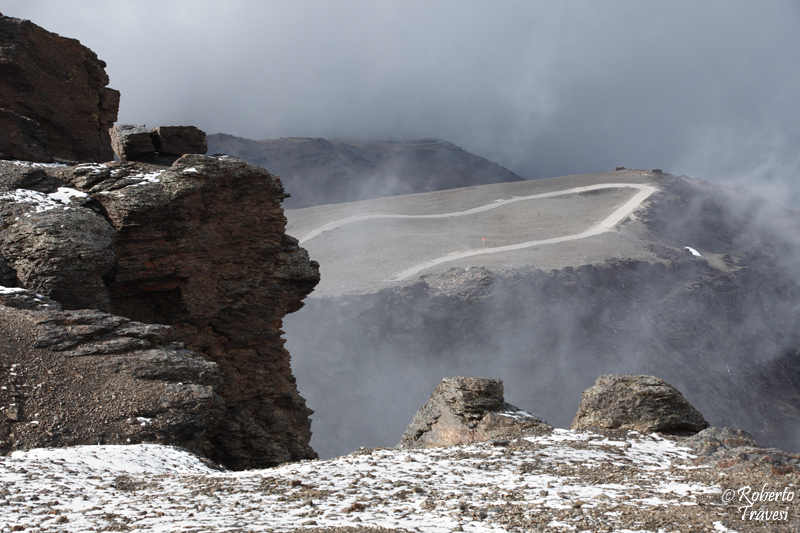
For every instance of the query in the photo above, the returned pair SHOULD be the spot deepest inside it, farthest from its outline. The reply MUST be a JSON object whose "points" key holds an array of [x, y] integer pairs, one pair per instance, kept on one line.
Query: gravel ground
{"points": [[366, 256], [564, 481]]}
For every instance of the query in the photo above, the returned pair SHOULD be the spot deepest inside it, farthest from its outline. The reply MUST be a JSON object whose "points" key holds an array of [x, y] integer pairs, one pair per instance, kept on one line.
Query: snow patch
{"points": [[694, 252], [31, 164], [44, 202], [429, 491], [12, 290]]}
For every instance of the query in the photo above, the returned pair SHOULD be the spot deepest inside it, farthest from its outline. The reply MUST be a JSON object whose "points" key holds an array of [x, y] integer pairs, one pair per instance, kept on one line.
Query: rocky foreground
{"points": [[560, 481]]}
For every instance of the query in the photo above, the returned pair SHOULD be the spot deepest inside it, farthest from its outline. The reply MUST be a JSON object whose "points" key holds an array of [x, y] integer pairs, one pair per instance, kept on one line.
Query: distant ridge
{"points": [[318, 171]]}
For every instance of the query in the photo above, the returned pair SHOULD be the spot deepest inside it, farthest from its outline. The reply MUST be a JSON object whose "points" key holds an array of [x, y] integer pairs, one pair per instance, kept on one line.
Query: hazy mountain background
{"points": [[707, 89], [319, 171]]}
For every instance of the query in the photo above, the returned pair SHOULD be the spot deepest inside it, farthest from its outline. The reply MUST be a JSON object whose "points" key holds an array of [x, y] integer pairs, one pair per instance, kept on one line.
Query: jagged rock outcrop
{"points": [[59, 84], [22, 138], [319, 171], [87, 377], [642, 403], [199, 246], [463, 410]]}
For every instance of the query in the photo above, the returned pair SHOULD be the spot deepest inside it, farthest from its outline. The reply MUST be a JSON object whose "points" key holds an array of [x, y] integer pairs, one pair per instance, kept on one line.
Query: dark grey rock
{"points": [[179, 140], [736, 451], [465, 409], [131, 142], [29, 177], [120, 382], [200, 246], [713, 440], [61, 85], [22, 138], [56, 247], [643, 403], [88, 332], [166, 364]]}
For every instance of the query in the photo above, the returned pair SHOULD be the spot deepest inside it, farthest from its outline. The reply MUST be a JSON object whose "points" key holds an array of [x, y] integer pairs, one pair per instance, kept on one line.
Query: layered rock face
{"points": [[22, 138], [204, 249], [463, 410], [87, 377], [199, 246], [60, 85]]}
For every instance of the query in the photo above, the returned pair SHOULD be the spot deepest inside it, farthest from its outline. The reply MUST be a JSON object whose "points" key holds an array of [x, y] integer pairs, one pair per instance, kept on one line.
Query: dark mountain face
{"points": [[318, 171], [722, 327]]}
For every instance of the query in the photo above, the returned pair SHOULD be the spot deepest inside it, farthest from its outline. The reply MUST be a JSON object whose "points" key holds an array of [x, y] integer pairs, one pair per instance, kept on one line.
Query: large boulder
{"points": [[131, 142], [643, 403], [55, 245], [179, 140], [22, 138], [59, 84], [464, 410]]}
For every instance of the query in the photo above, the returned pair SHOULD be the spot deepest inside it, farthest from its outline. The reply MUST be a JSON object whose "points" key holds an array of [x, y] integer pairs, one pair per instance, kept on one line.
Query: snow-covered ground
{"points": [[565, 481]]}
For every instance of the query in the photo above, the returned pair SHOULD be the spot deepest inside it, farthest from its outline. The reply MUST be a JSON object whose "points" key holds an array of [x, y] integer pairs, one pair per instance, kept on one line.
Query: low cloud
{"points": [[546, 89]]}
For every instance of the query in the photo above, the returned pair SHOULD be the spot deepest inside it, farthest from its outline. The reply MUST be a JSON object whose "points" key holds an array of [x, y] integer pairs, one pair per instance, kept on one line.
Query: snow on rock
{"points": [[30, 164], [693, 251], [11, 290], [566, 479], [44, 202]]}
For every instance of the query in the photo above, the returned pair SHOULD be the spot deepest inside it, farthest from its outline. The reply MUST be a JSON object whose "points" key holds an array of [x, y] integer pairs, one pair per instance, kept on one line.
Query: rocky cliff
{"points": [[318, 171], [59, 85], [198, 246]]}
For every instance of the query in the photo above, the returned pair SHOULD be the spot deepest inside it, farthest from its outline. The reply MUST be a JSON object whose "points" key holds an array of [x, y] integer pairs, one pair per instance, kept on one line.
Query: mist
{"points": [[706, 89], [720, 327]]}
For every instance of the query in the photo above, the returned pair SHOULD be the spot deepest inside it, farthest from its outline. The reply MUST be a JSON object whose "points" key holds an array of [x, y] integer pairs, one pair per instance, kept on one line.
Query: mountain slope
{"points": [[550, 317], [318, 171]]}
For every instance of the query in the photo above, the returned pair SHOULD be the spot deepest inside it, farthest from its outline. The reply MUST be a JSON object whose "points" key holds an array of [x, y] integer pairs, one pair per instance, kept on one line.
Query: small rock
{"points": [[12, 412], [466, 409], [354, 507], [713, 440]]}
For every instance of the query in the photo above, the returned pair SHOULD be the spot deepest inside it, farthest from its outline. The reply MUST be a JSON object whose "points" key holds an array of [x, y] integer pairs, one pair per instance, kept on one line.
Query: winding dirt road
{"points": [[605, 225]]}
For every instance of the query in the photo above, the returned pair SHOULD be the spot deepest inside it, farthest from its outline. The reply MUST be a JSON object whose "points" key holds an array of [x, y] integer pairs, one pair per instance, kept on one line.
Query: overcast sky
{"points": [[710, 89]]}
